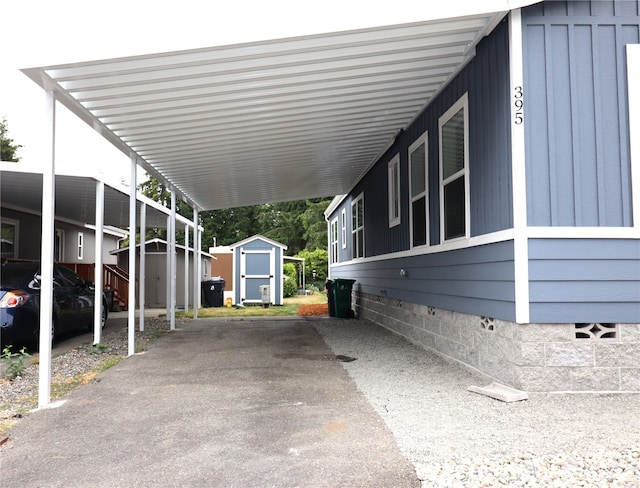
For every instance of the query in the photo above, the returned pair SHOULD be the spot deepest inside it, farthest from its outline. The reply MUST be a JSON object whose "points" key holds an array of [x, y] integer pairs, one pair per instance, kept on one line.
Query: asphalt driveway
{"points": [[220, 403]]}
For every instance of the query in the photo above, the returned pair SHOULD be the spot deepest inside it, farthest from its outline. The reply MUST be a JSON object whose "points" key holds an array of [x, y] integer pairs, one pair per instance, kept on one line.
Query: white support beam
{"points": [[132, 255], [186, 268], [46, 256], [172, 261], [518, 162], [98, 266], [196, 264], [633, 78], [143, 265], [168, 270]]}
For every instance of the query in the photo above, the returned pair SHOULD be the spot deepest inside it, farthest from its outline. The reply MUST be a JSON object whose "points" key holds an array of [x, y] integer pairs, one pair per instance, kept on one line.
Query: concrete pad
{"points": [[500, 392], [220, 402]]}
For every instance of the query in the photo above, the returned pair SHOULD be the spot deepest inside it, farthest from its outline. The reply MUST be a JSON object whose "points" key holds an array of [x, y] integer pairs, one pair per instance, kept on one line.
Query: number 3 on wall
{"points": [[519, 105]]}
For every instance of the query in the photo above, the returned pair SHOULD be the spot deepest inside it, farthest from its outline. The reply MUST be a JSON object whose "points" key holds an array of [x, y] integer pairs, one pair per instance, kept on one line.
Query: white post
{"points": [[172, 277], [518, 162], [132, 255], [186, 268], [46, 257], [98, 271], [633, 78], [196, 264], [167, 288], [143, 265]]}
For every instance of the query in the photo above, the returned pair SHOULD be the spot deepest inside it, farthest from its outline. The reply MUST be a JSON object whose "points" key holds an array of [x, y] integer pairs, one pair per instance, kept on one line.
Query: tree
{"points": [[316, 266], [8, 150]]}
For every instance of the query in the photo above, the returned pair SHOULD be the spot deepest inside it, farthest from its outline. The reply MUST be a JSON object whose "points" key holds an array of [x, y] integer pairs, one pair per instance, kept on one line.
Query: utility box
{"points": [[265, 294]]}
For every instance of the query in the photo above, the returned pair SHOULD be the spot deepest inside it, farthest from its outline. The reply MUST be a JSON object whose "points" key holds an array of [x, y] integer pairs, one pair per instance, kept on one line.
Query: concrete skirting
{"points": [[530, 357]]}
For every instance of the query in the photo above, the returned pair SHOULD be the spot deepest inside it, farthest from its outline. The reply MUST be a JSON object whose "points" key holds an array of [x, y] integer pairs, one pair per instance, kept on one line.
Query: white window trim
{"points": [[461, 103], [16, 234], [80, 245], [344, 228], [333, 243], [394, 191], [354, 229], [419, 141]]}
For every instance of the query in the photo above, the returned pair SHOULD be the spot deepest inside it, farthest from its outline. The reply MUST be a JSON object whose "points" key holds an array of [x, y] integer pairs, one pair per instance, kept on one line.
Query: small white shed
{"points": [[257, 261]]}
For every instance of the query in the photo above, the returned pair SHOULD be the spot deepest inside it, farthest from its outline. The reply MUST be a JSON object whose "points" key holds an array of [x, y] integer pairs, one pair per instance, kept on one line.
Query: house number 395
{"points": [[518, 102]]}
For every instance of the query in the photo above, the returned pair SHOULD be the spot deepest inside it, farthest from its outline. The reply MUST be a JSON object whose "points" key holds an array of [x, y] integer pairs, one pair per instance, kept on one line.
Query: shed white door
{"points": [[257, 268]]}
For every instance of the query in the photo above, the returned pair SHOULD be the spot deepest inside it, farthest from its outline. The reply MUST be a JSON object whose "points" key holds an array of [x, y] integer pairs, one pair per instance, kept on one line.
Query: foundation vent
{"points": [[596, 331], [487, 323]]}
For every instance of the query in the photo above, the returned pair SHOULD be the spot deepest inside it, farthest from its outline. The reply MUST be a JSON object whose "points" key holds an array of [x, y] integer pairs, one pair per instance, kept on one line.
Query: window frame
{"points": [[461, 104], [357, 231], [420, 141], [333, 243], [16, 234], [393, 191], [80, 246], [344, 228]]}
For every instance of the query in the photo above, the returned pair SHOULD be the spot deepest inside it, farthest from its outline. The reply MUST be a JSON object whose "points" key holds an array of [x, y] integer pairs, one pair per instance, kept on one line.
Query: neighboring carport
{"points": [[268, 121]]}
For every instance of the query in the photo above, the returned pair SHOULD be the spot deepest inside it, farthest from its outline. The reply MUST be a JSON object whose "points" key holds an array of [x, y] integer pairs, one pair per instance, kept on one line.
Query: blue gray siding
{"points": [[476, 280], [577, 280], [577, 133]]}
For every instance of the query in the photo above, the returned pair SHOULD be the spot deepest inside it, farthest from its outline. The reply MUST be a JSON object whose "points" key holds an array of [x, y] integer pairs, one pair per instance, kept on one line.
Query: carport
{"points": [[266, 121]]}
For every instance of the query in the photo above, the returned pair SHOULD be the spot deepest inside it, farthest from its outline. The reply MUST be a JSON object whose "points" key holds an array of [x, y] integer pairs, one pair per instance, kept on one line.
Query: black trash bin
{"points": [[213, 292], [330, 297], [342, 296]]}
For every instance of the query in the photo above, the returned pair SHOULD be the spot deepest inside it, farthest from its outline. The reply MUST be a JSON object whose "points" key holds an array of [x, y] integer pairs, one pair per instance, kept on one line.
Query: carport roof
{"points": [[273, 120], [21, 189]]}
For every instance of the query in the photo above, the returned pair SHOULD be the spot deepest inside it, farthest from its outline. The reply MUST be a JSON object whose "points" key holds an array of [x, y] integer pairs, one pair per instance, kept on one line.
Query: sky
{"points": [[44, 32]]}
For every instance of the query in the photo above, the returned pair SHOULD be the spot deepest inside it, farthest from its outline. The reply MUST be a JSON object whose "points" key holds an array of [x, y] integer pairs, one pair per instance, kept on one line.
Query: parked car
{"points": [[73, 303]]}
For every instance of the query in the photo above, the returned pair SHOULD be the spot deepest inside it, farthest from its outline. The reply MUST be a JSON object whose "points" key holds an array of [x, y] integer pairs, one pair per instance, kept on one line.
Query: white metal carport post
{"points": [[97, 273], [46, 252], [172, 262], [186, 268], [143, 264], [196, 264], [132, 255]]}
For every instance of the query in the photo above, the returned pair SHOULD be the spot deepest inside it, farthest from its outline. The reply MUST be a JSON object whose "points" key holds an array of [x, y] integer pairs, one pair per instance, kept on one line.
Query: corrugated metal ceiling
{"points": [[268, 121]]}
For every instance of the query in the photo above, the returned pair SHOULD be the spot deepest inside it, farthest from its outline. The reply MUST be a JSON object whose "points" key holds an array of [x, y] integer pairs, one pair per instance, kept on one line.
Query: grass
{"points": [[289, 308]]}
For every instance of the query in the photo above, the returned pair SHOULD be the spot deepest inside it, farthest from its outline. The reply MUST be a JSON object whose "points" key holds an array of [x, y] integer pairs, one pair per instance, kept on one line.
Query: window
{"points": [[454, 171], [80, 245], [418, 191], [394, 191], [334, 240], [344, 228], [9, 239], [357, 227]]}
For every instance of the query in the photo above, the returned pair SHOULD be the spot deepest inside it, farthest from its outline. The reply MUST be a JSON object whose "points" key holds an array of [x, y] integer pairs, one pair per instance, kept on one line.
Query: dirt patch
{"points": [[313, 309]]}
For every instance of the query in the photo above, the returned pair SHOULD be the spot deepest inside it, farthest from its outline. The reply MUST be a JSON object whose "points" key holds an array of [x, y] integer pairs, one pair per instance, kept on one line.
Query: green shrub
{"points": [[289, 287]]}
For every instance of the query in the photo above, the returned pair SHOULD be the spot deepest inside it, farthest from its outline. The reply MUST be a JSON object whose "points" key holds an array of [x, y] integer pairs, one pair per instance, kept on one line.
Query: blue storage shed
{"points": [[257, 262]]}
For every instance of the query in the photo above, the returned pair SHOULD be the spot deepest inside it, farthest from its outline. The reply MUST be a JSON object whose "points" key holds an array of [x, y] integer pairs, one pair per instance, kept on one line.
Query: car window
{"points": [[66, 277]]}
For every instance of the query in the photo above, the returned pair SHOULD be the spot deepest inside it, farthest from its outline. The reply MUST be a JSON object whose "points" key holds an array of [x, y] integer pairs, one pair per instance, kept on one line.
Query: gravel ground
{"points": [[78, 366], [456, 438]]}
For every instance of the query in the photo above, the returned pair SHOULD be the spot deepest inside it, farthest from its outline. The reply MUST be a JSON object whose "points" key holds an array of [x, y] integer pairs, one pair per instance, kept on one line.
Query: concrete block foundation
{"points": [[530, 357]]}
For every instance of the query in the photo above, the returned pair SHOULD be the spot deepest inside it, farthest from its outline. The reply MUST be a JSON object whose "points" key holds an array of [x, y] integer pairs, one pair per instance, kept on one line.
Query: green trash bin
{"points": [[342, 297]]}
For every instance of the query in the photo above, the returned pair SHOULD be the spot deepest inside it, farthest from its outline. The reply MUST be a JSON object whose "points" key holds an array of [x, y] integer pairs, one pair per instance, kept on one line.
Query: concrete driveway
{"points": [[220, 403]]}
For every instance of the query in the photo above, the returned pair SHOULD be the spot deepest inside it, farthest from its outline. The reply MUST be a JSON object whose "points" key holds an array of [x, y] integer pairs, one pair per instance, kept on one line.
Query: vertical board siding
{"points": [[464, 280], [577, 134], [576, 280]]}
